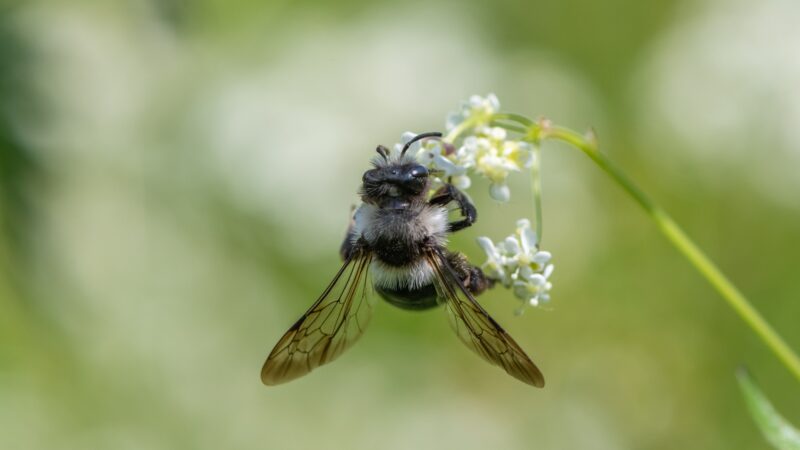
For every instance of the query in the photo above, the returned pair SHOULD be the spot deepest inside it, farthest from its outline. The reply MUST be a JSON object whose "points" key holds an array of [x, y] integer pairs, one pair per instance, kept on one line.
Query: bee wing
{"points": [[332, 324], [476, 328]]}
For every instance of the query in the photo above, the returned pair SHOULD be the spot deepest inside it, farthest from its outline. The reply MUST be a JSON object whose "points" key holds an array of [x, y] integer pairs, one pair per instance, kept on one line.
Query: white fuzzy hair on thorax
{"points": [[414, 226], [372, 223]]}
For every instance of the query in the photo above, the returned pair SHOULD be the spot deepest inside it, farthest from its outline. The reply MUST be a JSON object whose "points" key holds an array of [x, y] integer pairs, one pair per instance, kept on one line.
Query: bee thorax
{"points": [[400, 230], [398, 239]]}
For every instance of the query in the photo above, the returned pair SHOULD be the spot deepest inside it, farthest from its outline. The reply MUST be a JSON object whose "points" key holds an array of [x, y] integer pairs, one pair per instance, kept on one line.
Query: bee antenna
{"points": [[383, 151], [419, 137]]}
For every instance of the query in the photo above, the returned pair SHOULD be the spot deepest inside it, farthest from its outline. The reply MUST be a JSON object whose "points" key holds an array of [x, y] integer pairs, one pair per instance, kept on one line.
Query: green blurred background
{"points": [[175, 179]]}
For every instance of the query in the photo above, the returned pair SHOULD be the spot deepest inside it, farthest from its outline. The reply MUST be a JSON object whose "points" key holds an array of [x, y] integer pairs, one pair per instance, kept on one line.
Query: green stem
{"points": [[462, 127], [536, 188], [536, 177], [681, 241], [536, 132]]}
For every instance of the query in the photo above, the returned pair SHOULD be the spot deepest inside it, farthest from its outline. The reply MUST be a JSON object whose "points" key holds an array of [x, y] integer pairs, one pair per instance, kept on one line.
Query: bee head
{"points": [[400, 181], [396, 181]]}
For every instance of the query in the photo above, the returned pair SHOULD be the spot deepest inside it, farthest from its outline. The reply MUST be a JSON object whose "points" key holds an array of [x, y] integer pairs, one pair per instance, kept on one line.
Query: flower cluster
{"points": [[439, 156], [483, 149], [517, 263], [474, 144], [477, 111], [491, 154]]}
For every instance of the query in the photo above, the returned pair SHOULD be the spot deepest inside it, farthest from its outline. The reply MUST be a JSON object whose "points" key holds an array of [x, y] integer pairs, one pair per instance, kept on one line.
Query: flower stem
{"points": [[536, 177], [462, 127], [681, 241], [536, 189]]}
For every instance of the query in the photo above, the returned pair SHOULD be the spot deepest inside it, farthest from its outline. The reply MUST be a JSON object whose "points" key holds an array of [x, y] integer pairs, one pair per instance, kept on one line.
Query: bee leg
{"points": [[471, 276], [449, 193], [348, 244]]}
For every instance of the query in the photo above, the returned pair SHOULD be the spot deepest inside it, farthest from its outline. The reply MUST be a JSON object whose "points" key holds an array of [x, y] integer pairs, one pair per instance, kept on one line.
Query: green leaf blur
{"points": [[780, 433]]}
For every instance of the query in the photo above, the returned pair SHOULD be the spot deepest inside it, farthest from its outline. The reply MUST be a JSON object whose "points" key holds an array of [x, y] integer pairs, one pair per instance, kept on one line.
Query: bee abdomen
{"points": [[411, 276], [407, 298]]}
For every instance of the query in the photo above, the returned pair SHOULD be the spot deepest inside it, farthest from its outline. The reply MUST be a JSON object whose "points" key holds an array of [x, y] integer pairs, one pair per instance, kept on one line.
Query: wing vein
{"points": [[328, 328], [476, 328]]}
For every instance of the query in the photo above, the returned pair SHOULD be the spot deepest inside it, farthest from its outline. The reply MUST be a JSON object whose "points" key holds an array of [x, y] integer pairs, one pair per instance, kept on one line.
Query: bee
{"points": [[395, 247]]}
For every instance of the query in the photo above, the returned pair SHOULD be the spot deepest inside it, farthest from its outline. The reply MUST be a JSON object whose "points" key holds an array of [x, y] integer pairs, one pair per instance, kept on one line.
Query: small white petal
{"points": [[523, 290], [525, 272], [501, 247], [449, 168], [493, 101], [511, 245], [433, 146], [471, 143], [500, 192], [541, 258], [548, 270], [415, 148], [488, 247], [425, 157], [497, 133], [511, 265], [462, 182], [407, 136], [475, 101], [537, 279], [527, 160], [495, 272], [528, 239]]}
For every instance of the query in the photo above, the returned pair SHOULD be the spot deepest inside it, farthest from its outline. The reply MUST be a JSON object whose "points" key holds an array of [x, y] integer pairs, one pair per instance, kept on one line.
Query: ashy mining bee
{"points": [[397, 238]]}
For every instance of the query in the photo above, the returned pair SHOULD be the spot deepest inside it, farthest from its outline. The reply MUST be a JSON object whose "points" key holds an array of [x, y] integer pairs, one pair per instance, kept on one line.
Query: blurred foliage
{"points": [[175, 178], [776, 429], [17, 163]]}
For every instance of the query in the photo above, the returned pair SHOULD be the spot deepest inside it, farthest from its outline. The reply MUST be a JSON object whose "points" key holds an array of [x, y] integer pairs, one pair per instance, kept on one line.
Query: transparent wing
{"points": [[476, 328], [332, 324]]}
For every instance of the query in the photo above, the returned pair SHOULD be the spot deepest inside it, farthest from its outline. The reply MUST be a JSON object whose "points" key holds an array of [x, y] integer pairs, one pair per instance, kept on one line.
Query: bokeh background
{"points": [[175, 179]]}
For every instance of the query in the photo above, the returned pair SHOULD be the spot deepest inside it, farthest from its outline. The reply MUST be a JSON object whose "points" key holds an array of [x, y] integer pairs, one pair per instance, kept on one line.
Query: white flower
{"points": [[433, 153], [477, 108], [494, 265], [517, 263], [492, 155], [500, 192], [482, 149]]}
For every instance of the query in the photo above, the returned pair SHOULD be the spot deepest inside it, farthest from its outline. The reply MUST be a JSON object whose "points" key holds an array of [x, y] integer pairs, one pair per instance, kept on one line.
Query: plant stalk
{"points": [[678, 238]]}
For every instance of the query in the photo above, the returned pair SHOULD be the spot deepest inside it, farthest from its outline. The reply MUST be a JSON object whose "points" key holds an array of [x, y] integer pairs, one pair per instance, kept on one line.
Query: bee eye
{"points": [[369, 176], [419, 171]]}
